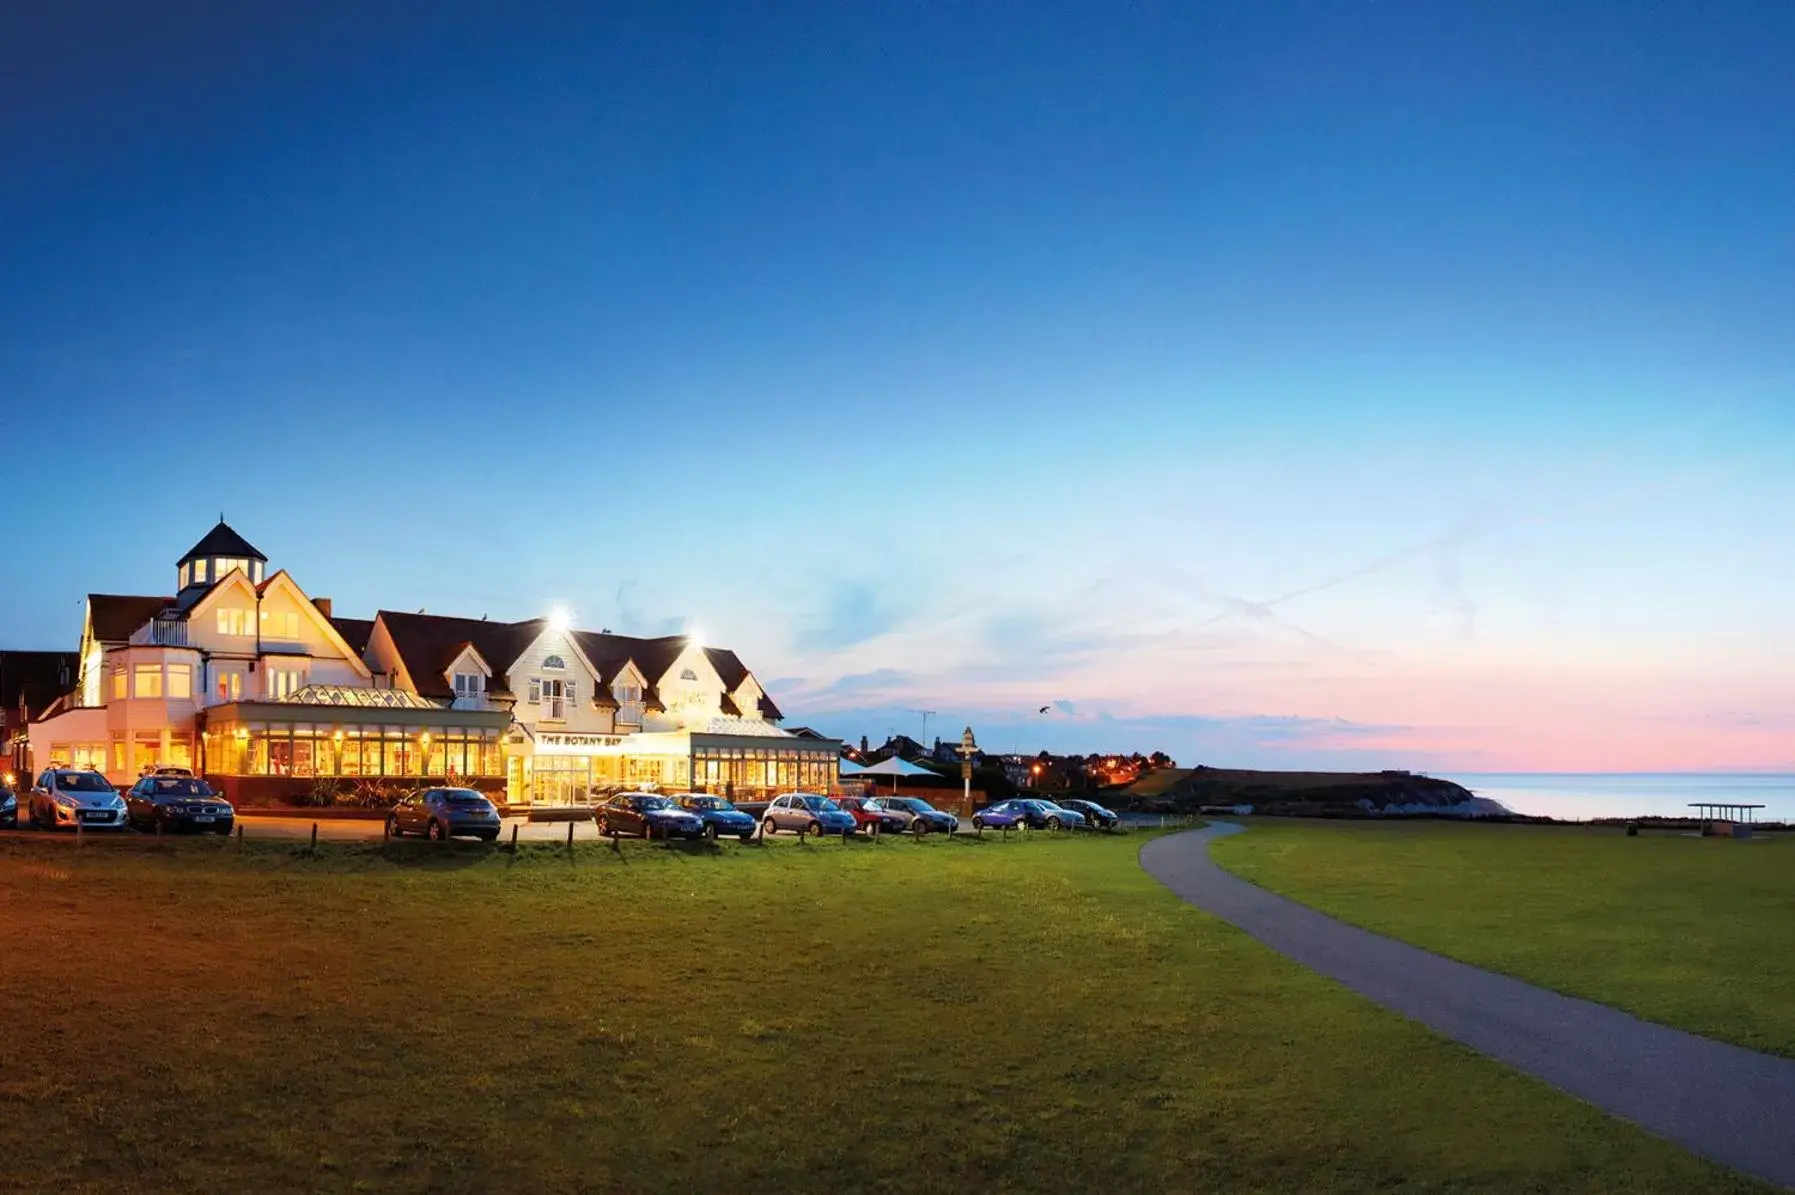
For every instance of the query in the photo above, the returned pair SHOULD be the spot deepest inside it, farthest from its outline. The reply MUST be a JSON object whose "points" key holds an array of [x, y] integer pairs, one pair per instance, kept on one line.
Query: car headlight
{"points": [[10, 803], [65, 802]]}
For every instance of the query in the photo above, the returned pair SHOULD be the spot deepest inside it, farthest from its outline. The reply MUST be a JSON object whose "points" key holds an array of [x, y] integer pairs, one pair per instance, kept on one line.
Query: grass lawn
{"points": [[1685, 931], [1031, 1015]]}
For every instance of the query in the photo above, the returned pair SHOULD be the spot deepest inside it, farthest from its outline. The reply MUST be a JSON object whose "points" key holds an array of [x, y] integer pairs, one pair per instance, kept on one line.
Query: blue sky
{"points": [[1381, 383]]}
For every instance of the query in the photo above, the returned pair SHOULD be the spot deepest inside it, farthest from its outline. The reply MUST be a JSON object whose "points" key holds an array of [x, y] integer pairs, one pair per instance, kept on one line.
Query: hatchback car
{"points": [[806, 813], [1095, 814], [871, 816], [719, 816], [444, 813], [651, 815], [171, 803], [71, 797], [924, 817], [1005, 815]]}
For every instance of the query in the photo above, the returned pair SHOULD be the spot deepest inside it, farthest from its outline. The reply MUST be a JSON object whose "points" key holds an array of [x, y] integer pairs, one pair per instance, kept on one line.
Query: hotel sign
{"points": [[560, 743]]}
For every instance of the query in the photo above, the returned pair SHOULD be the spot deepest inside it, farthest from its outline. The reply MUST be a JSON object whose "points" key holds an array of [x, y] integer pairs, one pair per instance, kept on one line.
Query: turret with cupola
{"points": [[214, 557]]}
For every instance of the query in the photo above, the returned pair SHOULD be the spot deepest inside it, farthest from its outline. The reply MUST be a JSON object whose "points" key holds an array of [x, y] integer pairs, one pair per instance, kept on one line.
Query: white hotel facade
{"points": [[245, 678]]}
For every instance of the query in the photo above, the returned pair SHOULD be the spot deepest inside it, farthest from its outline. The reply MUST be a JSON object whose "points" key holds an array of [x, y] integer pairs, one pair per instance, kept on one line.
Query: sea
{"points": [[1578, 796]]}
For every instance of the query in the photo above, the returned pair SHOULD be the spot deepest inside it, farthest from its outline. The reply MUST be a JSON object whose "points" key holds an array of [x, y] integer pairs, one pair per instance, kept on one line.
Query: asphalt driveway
{"points": [[1729, 1104]]}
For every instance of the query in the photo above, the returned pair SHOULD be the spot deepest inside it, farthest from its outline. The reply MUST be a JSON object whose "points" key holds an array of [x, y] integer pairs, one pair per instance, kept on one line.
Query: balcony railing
{"points": [[168, 632]]}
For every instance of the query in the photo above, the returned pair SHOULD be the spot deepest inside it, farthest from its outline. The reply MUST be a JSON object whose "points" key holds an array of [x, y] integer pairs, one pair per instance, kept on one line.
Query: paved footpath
{"points": [[1732, 1105]]}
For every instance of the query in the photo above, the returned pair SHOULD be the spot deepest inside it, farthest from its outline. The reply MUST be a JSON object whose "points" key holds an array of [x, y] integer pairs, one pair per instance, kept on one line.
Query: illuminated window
{"points": [[118, 684], [186, 575], [180, 680], [235, 621], [280, 624], [230, 686], [147, 680], [283, 682]]}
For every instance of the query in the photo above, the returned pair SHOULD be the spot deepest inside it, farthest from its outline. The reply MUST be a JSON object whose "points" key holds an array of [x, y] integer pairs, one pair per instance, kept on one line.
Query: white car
{"points": [[72, 797]]}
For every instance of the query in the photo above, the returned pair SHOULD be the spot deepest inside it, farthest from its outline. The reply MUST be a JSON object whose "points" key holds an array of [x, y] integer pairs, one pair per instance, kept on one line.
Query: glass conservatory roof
{"points": [[389, 699]]}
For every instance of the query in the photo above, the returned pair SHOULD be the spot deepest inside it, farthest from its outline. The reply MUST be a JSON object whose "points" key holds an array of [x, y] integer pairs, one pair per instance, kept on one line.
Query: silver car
{"points": [[70, 797]]}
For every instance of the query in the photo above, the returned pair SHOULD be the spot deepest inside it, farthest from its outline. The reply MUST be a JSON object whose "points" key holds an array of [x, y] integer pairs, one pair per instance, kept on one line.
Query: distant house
{"points": [[948, 751], [30, 682], [902, 746]]}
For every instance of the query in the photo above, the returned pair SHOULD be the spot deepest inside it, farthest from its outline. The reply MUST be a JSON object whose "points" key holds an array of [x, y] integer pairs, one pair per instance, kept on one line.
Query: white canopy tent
{"points": [[894, 767]]}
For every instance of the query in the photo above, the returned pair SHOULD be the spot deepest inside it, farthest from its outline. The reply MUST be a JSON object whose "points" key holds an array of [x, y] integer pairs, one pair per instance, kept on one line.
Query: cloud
{"points": [[852, 613]]}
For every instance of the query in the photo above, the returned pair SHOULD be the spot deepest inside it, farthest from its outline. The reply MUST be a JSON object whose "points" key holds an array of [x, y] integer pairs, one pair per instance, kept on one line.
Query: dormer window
{"points": [[469, 684], [555, 663], [629, 694]]}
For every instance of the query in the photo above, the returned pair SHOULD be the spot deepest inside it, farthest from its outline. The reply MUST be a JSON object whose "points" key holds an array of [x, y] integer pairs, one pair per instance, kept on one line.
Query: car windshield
{"points": [[819, 804], [82, 782], [464, 796], [716, 804], [647, 803], [177, 786]]}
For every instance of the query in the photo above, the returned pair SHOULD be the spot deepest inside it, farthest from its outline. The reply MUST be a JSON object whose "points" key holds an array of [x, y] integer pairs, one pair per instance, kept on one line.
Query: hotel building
{"points": [[243, 677]]}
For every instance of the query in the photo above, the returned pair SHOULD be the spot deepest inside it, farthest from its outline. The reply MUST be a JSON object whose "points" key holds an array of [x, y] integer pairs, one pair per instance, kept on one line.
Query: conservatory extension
{"points": [[275, 749]]}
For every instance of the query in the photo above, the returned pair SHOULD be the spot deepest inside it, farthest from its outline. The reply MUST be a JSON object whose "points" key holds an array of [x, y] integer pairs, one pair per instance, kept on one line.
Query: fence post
{"points": [[314, 838], [570, 836], [239, 837], [514, 838]]}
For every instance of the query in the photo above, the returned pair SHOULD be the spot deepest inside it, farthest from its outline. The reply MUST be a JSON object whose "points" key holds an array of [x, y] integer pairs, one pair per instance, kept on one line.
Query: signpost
{"points": [[967, 748]]}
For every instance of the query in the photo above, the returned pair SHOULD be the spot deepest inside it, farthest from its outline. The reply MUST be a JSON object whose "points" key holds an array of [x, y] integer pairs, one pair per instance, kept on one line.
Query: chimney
{"points": [[863, 744], [323, 605]]}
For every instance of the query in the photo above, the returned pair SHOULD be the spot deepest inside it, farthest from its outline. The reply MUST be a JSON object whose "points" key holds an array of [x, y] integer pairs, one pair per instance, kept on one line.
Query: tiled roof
{"points": [[429, 643], [355, 632], [116, 615], [729, 667], [222, 541], [768, 710]]}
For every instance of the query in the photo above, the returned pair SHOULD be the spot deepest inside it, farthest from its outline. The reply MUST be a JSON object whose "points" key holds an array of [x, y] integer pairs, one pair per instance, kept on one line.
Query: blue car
{"points": [[1005, 815], [719, 816], [1029, 811], [649, 814]]}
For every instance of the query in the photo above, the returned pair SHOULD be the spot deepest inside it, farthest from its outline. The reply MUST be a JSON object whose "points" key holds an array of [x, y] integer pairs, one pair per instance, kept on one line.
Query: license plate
{"points": [[202, 817], [93, 815]]}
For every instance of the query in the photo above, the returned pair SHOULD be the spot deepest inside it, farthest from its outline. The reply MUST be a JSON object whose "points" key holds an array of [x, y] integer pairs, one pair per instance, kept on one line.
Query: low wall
{"points": [[284, 792]]}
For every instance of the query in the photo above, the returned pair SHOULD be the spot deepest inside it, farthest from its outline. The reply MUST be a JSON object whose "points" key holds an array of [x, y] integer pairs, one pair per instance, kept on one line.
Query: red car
{"points": [[865, 819]]}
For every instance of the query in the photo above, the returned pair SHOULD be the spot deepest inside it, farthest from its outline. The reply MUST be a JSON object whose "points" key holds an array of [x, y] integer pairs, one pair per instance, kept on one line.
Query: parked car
{"points": [[1005, 815], [444, 813], [164, 770], [869, 815], [651, 815], [1097, 815], [719, 816], [174, 803], [1048, 815], [923, 817], [1028, 811], [806, 813], [74, 797], [9, 804]]}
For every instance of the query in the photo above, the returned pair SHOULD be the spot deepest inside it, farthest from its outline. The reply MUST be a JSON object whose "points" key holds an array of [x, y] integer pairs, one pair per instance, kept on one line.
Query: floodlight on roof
{"points": [[559, 619]]}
